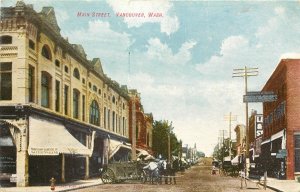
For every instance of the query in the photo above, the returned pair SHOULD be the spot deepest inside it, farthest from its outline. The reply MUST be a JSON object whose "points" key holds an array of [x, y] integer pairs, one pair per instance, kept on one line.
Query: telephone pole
{"points": [[230, 118], [245, 73]]}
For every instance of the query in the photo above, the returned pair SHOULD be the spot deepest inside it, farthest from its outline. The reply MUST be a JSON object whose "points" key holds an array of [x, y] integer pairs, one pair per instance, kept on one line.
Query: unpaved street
{"points": [[198, 178]]}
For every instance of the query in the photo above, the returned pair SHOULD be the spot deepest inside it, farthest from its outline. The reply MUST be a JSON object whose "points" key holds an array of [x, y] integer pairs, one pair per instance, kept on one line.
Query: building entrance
{"points": [[7, 155]]}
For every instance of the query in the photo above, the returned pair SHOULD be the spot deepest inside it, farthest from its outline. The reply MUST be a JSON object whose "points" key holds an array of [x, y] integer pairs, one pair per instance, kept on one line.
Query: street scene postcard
{"points": [[149, 95]]}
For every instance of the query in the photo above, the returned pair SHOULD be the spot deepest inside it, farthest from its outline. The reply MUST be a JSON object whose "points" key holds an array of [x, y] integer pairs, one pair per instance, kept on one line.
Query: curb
{"points": [[82, 187], [268, 186]]}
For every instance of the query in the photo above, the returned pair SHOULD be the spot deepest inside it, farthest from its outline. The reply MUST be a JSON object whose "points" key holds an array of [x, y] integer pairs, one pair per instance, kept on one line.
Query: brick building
{"points": [[255, 132], [143, 123], [281, 137], [240, 131]]}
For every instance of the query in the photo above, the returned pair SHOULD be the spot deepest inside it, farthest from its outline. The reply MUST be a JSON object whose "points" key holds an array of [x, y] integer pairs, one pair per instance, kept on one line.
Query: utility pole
{"points": [[169, 142], [133, 135], [245, 73], [230, 118], [222, 135]]}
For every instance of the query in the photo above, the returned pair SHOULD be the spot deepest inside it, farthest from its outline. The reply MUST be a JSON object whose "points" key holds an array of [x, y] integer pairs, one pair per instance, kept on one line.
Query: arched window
{"points": [[76, 95], [46, 87], [113, 99], [94, 113], [5, 39], [76, 73], [46, 52]]}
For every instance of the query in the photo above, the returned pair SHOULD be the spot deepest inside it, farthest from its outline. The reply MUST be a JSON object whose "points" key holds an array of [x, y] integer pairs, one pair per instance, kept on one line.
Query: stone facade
{"points": [[45, 76]]}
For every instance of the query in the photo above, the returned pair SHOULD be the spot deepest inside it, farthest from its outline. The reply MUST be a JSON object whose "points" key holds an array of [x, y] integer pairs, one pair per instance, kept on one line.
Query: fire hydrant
{"points": [[52, 184]]}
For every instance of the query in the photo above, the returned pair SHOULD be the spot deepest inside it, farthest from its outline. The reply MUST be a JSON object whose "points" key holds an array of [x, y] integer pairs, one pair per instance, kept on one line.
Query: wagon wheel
{"points": [[108, 176]]}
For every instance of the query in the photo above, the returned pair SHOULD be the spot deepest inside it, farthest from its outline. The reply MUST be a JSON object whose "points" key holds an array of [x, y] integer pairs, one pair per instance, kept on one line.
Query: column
{"points": [[87, 160], [63, 179], [22, 154]]}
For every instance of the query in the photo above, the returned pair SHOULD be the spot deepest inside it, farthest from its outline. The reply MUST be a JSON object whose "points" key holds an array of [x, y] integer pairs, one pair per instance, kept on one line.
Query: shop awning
{"points": [[265, 141], [51, 138], [228, 158], [114, 147], [143, 153], [235, 160], [277, 135]]}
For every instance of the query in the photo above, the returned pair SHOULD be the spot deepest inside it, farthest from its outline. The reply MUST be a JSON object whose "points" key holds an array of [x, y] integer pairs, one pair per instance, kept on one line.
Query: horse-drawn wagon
{"points": [[119, 167], [120, 171]]}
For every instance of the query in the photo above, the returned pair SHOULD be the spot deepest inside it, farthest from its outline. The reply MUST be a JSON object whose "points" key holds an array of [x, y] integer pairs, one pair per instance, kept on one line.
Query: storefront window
{"points": [[297, 153]]}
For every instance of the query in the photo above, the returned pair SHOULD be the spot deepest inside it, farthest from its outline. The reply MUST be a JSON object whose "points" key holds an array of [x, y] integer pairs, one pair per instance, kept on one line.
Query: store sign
{"points": [[259, 97], [43, 151], [282, 152]]}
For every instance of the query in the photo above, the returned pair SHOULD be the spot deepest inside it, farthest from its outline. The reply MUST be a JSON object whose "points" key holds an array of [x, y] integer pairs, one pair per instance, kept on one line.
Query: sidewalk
{"points": [[279, 185], [283, 185], [61, 187]]}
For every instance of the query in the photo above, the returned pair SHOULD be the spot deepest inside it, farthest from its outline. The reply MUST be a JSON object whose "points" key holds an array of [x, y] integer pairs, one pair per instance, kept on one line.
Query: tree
{"points": [[161, 129]]}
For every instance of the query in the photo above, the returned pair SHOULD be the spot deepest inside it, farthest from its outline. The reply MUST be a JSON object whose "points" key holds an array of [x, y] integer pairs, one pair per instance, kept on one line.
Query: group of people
{"points": [[159, 170]]}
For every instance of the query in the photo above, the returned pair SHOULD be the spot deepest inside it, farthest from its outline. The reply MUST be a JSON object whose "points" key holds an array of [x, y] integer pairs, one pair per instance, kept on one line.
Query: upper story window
{"points": [[95, 88], [99, 91], [57, 63], [31, 44], [94, 113], [46, 89], [31, 79], [83, 80], [90, 85], [5, 39], [46, 52], [76, 95], [76, 73], [5, 81], [66, 69], [113, 99]]}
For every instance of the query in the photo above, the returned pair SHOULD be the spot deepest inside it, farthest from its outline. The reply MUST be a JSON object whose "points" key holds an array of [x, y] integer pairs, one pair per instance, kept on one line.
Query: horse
{"points": [[153, 171]]}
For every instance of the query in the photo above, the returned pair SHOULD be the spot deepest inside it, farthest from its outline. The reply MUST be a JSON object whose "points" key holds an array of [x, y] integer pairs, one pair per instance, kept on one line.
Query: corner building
{"points": [[281, 136], [58, 110]]}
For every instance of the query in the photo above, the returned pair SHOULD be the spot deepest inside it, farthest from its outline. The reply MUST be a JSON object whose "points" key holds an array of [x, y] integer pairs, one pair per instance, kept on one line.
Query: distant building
{"points": [[143, 123], [281, 136], [240, 131], [255, 132]]}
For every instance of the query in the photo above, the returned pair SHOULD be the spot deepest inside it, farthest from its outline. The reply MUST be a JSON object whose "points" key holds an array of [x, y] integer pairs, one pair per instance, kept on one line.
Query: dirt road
{"points": [[196, 179]]}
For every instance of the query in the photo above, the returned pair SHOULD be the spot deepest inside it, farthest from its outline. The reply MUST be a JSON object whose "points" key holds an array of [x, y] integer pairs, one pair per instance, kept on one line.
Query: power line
{"points": [[245, 73]]}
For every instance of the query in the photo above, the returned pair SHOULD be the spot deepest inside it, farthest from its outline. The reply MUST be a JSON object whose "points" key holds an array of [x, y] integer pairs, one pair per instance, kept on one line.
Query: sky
{"points": [[182, 62]]}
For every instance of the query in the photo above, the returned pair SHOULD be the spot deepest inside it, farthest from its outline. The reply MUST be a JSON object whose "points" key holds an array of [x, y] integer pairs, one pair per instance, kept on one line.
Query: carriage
{"points": [[117, 172], [119, 167]]}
